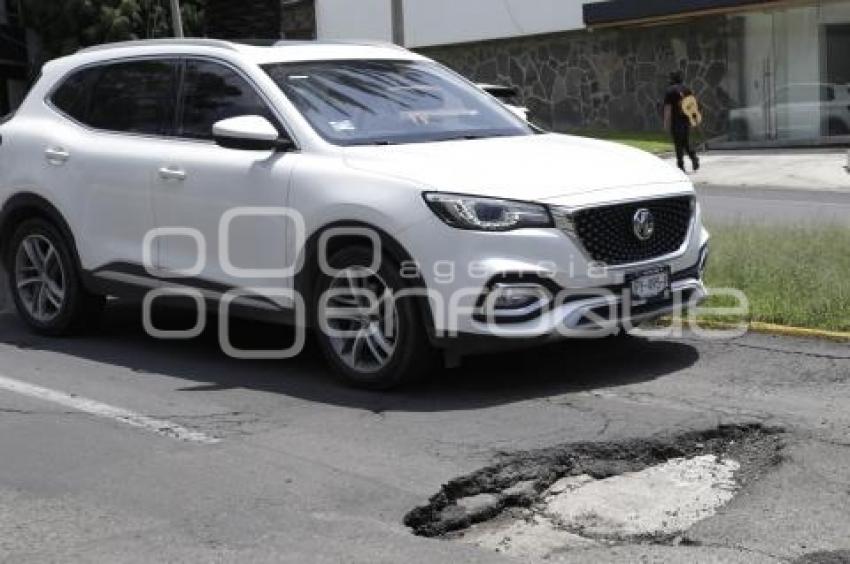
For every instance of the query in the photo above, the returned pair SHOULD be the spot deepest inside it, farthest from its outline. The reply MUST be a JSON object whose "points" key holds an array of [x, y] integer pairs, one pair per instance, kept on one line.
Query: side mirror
{"points": [[250, 133], [499, 91]]}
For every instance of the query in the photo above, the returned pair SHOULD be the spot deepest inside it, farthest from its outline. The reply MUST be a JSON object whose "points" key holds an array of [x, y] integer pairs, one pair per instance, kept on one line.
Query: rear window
{"points": [[129, 97], [72, 96], [134, 97]]}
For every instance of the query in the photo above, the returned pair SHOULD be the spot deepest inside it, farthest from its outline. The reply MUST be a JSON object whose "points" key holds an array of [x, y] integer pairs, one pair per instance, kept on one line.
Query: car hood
{"points": [[539, 167]]}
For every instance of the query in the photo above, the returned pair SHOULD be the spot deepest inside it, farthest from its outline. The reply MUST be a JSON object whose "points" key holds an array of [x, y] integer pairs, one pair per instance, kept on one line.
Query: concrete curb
{"points": [[783, 330]]}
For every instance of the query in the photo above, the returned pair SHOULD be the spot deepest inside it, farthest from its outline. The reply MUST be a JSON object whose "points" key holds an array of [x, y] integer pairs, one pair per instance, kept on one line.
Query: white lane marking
{"points": [[96, 408]]}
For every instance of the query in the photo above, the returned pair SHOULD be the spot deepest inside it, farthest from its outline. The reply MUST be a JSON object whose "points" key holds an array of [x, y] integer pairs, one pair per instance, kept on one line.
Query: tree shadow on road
{"points": [[481, 381]]}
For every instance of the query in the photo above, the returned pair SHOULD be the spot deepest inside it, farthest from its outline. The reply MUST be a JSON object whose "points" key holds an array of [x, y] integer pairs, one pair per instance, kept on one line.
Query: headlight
{"points": [[487, 214]]}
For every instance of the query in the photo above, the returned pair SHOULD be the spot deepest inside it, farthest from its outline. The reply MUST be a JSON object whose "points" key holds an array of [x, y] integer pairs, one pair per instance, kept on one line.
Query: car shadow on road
{"points": [[481, 381]]}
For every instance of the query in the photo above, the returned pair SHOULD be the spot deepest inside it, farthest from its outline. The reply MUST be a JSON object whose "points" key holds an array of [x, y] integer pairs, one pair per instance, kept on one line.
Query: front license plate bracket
{"points": [[649, 285]]}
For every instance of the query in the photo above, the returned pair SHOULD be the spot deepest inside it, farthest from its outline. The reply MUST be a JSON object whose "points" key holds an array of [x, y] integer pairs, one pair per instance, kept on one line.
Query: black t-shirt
{"points": [[673, 98]]}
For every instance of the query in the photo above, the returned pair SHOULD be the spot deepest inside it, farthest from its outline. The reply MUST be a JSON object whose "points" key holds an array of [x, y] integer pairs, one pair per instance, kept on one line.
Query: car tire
{"points": [[362, 353], [45, 282]]}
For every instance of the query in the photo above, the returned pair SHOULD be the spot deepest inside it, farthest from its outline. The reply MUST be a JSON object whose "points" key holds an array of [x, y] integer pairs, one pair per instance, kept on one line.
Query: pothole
{"points": [[532, 504]]}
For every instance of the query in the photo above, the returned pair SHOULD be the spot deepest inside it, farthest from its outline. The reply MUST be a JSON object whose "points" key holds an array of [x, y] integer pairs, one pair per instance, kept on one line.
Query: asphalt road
{"points": [[307, 471], [115, 447], [777, 206]]}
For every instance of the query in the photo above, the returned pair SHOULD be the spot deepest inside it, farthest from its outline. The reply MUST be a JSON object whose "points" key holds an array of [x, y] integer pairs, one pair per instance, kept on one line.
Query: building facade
{"points": [[767, 72], [13, 57], [611, 79], [261, 19]]}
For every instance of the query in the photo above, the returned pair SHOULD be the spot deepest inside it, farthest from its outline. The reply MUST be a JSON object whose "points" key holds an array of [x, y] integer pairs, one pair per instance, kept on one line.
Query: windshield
{"points": [[362, 102]]}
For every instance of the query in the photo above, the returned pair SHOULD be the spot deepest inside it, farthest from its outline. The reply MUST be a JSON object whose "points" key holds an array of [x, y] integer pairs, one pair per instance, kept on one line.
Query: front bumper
{"points": [[597, 315], [459, 267], [591, 318]]}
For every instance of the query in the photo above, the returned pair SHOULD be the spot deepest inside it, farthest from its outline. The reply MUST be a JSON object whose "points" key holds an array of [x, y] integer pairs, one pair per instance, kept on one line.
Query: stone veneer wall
{"points": [[612, 78]]}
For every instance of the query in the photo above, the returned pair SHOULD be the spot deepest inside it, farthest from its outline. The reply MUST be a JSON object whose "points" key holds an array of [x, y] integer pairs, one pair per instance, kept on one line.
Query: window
{"points": [[363, 102], [72, 96], [213, 92], [828, 94], [134, 97]]}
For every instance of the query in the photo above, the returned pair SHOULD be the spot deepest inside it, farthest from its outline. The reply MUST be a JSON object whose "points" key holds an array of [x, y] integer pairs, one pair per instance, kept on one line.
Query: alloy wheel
{"points": [[363, 318], [40, 278]]}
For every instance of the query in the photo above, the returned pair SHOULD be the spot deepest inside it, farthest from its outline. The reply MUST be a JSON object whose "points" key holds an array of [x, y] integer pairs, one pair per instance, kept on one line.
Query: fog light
{"points": [[516, 296]]}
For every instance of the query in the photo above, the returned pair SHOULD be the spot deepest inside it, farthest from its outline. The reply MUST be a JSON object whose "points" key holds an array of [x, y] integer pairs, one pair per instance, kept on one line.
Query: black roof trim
{"points": [[617, 11]]}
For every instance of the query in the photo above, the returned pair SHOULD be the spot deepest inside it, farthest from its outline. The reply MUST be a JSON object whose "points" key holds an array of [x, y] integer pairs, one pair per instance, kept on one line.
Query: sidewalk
{"points": [[802, 169]]}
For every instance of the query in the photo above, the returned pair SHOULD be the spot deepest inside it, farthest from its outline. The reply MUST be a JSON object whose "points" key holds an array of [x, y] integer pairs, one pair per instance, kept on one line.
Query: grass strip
{"points": [[792, 276], [653, 142]]}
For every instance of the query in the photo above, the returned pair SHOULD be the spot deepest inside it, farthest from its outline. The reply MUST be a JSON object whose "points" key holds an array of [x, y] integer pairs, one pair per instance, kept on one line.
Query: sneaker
{"points": [[696, 165]]}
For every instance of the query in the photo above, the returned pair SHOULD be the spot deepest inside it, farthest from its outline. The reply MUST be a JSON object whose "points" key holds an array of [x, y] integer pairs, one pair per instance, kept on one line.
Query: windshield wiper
{"points": [[469, 137], [382, 142], [466, 137]]}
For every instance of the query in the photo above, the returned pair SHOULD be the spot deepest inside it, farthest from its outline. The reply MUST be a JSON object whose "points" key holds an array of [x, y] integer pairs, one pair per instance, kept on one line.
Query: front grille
{"points": [[608, 232]]}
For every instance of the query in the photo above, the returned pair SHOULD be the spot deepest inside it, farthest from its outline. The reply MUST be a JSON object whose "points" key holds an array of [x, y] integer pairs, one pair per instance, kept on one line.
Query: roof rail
{"points": [[365, 43], [292, 42], [230, 45], [198, 42]]}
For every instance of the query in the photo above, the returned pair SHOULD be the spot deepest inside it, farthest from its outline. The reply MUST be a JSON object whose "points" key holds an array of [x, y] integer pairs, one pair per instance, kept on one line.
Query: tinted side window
{"points": [[135, 97], [213, 92], [72, 96]]}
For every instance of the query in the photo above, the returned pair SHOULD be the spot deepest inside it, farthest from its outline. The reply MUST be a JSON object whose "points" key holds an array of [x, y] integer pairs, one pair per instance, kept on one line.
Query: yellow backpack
{"points": [[690, 107]]}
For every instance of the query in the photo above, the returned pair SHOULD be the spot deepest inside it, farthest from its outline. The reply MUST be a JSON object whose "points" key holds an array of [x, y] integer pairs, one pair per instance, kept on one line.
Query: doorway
{"points": [[837, 79]]}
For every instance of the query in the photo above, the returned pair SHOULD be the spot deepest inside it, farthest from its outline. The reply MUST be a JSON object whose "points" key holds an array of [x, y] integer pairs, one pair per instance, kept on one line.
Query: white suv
{"points": [[360, 190]]}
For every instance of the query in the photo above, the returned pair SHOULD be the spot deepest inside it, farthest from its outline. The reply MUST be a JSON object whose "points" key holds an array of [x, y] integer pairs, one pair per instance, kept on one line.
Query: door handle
{"points": [[172, 173], [56, 155]]}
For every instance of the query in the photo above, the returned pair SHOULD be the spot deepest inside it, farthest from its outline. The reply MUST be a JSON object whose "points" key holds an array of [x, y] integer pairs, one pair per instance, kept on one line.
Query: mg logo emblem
{"points": [[643, 224]]}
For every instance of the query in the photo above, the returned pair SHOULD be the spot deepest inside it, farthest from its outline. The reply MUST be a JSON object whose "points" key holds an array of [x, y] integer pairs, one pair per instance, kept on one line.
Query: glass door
{"points": [[779, 93], [752, 78], [837, 73], [799, 92]]}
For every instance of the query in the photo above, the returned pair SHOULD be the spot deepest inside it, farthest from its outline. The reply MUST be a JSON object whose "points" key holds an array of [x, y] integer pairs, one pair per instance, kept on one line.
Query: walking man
{"points": [[681, 112]]}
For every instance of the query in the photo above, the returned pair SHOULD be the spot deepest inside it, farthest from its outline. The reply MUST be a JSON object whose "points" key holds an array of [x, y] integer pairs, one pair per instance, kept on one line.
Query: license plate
{"points": [[650, 285]]}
